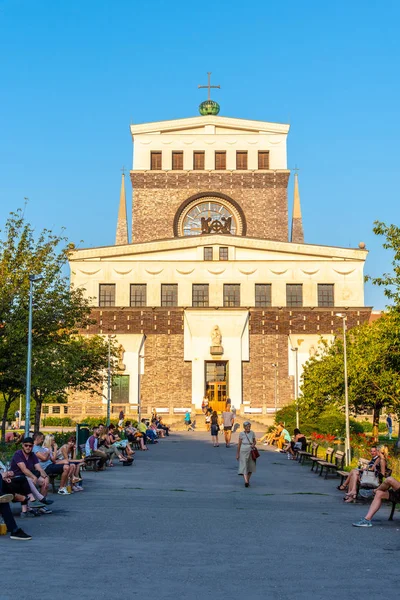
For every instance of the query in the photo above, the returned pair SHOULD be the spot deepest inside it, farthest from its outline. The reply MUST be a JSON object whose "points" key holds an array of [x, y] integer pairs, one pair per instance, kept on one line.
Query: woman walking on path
{"points": [[214, 428], [247, 441]]}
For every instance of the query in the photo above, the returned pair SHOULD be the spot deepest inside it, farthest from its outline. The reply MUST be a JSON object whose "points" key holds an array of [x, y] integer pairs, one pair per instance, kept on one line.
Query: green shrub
{"points": [[330, 421], [367, 426], [58, 422]]}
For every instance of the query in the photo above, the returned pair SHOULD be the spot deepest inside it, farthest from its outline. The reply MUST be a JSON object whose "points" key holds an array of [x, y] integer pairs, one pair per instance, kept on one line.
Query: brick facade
{"points": [[157, 197]]}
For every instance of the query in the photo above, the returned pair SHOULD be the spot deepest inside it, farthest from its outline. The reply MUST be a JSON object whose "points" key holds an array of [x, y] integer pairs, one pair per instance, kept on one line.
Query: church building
{"points": [[210, 292]]}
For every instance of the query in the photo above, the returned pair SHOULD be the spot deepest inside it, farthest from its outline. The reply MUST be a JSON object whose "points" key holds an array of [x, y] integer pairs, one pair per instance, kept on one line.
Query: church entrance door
{"points": [[216, 384]]}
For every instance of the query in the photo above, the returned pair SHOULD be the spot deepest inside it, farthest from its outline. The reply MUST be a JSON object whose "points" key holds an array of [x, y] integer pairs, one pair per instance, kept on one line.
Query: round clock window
{"points": [[207, 216]]}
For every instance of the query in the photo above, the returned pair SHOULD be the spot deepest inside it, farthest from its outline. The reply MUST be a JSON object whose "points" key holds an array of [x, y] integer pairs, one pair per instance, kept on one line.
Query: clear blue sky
{"points": [[74, 74]]}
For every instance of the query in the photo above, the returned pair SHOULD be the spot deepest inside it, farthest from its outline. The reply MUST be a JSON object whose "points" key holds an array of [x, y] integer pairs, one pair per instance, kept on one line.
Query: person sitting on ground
{"points": [[48, 461], [134, 435], [378, 464], [277, 434], [268, 437], [388, 490], [92, 448], [25, 462], [298, 442], [16, 532]]}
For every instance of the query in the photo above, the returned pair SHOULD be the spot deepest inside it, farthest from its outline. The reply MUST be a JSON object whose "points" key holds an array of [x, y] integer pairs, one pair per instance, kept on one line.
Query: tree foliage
{"points": [[389, 281], [61, 358]]}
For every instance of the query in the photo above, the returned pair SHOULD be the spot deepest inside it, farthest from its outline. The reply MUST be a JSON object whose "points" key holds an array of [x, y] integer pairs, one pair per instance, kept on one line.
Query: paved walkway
{"points": [[180, 524]]}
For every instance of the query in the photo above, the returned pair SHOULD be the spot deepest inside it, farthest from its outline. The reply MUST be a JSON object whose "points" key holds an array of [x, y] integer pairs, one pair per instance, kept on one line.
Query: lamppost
{"points": [[110, 337], [296, 386], [32, 279], [139, 392], [347, 448], [275, 365]]}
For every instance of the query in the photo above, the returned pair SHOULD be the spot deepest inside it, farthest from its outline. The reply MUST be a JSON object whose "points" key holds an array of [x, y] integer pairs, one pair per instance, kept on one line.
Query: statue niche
{"points": [[216, 340]]}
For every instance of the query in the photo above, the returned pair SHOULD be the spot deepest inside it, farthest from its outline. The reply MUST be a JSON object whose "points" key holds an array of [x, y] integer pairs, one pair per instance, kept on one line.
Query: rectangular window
{"points": [[263, 160], [223, 253], [138, 294], [155, 161], [169, 294], [326, 295], [294, 294], [107, 294], [177, 161], [200, 294], [241, 160], [120, 389], [198, 161], [231, 294], [220, 161], [263, 294], [208, 253]]}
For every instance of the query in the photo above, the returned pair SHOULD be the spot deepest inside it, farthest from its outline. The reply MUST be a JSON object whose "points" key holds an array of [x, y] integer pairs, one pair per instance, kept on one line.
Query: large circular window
{"points": [[209, 214]]}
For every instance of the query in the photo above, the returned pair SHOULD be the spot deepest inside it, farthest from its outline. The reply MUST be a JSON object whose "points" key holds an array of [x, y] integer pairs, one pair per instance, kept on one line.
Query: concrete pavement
{"points": [[179, 523]]}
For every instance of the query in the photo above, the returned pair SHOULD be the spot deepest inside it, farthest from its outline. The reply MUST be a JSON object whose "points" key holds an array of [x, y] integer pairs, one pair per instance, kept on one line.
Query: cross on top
{"points": [[209, 86]]}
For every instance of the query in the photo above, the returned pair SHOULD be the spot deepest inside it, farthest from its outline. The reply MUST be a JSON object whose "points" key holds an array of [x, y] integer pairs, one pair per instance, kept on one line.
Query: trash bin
{"points": [[82, 434]]}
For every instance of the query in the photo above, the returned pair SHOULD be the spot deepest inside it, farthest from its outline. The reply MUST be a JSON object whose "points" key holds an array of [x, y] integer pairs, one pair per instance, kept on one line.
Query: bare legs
{"points": [[228, 435], [215, 440], [381, 494]]}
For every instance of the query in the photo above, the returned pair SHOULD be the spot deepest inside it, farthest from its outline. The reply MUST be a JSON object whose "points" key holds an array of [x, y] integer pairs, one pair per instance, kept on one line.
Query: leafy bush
{"points": [[367, 426], [58, 422], [93, 421], [329, 422]]}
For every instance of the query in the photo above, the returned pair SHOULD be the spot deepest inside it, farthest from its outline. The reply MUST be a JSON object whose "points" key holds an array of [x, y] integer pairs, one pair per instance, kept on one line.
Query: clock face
{"points": [[209, 217]]}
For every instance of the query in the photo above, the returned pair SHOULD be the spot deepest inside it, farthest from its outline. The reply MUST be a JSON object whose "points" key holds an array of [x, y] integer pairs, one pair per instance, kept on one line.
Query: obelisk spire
{"points": [[122, 223], [297, 221]]}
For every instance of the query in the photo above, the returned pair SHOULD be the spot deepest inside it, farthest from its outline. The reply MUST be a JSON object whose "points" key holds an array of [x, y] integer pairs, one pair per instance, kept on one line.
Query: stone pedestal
{"points": [[216, 350]]}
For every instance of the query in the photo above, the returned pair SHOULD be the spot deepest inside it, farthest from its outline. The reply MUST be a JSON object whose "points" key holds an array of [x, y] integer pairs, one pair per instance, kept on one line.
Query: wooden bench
{"points": [[52, 481], [318, 461], [90, 461], [303, 455], [334, 465]]}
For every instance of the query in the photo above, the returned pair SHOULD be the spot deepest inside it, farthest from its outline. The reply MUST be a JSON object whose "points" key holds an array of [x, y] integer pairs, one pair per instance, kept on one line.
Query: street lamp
{"points": [[296, 387], [110, 337], [346, 391], [32, 279], [275, 365]]}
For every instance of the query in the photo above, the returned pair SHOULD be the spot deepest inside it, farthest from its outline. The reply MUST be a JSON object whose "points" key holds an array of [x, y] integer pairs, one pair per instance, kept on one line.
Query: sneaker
{"points": [[45, 511], [29, 514], [36, 504], [362, 523], [77, 488], [63, 491], [47, 502], [6, 498], [20, 535]]}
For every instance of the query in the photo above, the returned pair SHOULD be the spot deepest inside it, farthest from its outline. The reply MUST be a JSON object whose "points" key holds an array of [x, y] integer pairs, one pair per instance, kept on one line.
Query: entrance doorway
{"points": [[216, 376]]}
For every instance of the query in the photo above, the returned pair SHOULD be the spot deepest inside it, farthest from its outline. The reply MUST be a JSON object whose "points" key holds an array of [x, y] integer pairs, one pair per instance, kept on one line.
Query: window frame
{"points": [[175, 155], [241, 154], [164, 296], [204, 253], [203, 155], [262, 154], [221, 251], [321, 302], [153, 154], [294, 303], [103, 303], [136, 304], [231, 300], [220, 153], [203, 302], [258, 302]]}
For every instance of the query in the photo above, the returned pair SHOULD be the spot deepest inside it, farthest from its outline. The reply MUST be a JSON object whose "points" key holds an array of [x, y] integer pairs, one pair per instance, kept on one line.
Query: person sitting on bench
{"points": [[25, 462], [298, 442], [5, 513], [388, 490], [48, 462], [134, 435], [376, 464], [91, 448]]}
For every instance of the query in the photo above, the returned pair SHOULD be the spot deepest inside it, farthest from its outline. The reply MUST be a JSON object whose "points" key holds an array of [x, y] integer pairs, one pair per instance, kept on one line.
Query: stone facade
{"points": [[158, 196]]}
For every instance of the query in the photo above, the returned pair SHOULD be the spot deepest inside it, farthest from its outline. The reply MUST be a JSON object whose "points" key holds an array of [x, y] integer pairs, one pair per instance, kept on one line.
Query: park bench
{"points": [[303, 455], [90, 461], [334, 465], [317, 461]]}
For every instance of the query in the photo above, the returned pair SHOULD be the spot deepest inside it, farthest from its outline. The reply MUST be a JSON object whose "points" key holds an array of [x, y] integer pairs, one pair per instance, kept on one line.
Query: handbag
{"points": [[254, 452], [369, 479]]}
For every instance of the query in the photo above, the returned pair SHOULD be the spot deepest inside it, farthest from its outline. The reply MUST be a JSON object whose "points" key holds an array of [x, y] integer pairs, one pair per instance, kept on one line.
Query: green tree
{"points": [[390, 281], [60, 357]]}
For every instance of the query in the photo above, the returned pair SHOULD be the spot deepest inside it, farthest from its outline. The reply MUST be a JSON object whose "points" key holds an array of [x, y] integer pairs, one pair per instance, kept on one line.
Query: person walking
{"points": [[228, 420], [247, 441], [214, 428], [389, 425]]}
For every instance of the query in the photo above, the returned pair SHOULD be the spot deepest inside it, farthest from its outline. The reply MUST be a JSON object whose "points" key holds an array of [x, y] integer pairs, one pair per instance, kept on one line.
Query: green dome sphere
{"points": [[209, 107]]}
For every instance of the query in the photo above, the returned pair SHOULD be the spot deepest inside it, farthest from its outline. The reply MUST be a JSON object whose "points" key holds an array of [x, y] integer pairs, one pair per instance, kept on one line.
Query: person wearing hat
{"points": [[247, 441]]}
